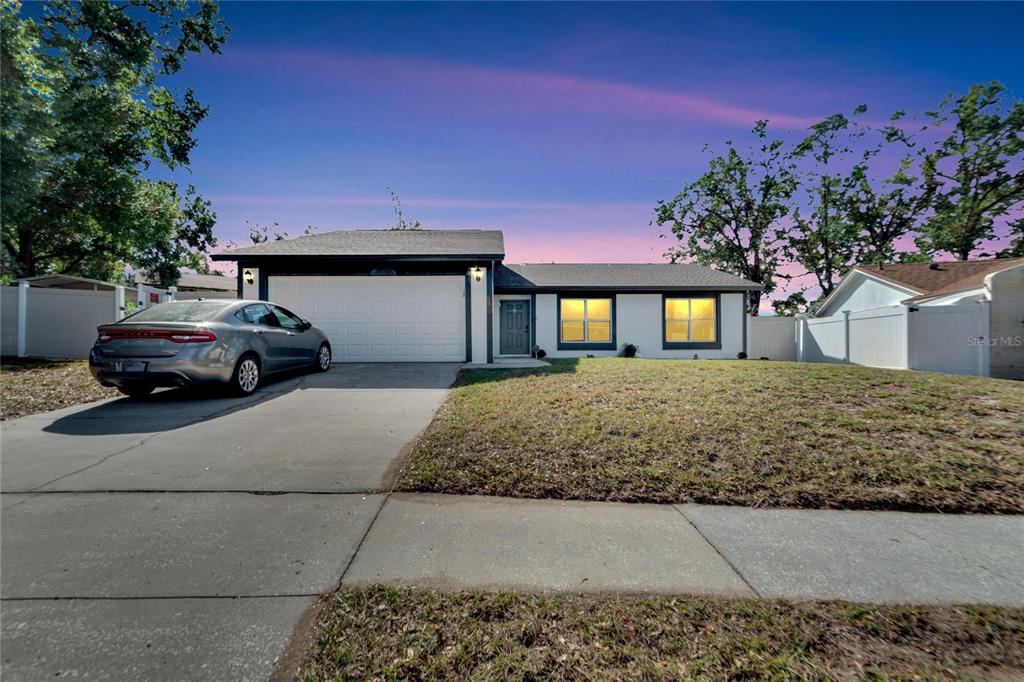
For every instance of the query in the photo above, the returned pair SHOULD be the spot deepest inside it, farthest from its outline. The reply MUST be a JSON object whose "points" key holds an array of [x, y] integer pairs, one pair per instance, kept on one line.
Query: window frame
{"points": [[695, 345], [585, 345]]}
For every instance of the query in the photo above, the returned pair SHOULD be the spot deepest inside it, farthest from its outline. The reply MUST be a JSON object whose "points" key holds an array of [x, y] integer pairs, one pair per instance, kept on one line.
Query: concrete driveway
{"points": [[182, 536]]}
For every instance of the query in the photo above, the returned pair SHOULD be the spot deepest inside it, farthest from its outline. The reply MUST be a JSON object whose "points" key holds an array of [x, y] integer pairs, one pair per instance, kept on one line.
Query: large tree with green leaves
{"points": [[87, 108], [731, 217], [824, 239], [975, 175], [1016, 239]]}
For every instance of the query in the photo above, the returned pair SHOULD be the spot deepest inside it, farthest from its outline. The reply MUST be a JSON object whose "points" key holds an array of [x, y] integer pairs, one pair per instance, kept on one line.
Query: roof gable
{"points": [[380, 243], [855, 279]]}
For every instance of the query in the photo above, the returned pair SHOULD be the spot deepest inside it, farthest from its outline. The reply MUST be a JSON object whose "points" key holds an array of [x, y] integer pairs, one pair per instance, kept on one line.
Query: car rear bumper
{"points": [[173, 371]]}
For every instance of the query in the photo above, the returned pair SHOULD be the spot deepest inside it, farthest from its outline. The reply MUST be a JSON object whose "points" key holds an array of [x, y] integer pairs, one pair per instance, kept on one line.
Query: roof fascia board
{"points": [[959, 293], [264, 258], [646, 289]]}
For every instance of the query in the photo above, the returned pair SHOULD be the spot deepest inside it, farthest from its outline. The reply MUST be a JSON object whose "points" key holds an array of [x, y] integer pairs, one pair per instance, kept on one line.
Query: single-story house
{"points": [[997, 281], [448, 296]]}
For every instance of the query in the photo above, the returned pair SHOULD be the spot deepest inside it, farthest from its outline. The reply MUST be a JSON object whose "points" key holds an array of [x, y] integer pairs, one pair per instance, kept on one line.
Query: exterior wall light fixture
{"points": [[477, 272], [248, 277]]}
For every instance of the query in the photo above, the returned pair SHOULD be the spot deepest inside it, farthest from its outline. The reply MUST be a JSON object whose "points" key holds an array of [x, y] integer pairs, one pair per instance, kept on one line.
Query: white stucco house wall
{"points": [[448, 296], [997, 282]]}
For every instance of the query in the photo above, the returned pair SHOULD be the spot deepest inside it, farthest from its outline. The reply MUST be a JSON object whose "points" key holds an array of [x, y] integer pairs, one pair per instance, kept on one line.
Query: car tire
{"points": [[247, 375], [135, 391], [323, 357]]}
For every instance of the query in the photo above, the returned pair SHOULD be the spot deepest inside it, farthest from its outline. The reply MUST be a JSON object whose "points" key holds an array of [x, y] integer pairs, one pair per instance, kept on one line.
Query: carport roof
{"points": [[488, 244], [618, 276]]}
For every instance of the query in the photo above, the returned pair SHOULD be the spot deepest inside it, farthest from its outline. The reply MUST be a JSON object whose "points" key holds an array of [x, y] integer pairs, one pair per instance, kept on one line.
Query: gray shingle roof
{"points": [[189, 280], [617, 276], [362, 243]]}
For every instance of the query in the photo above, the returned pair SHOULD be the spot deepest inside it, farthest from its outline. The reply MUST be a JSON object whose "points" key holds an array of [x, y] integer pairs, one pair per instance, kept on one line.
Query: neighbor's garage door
{"points": [[381, 319]]}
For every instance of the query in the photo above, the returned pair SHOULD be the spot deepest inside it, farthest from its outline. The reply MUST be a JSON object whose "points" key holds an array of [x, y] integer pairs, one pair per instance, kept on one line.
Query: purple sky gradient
{"points": [[563, 124]]}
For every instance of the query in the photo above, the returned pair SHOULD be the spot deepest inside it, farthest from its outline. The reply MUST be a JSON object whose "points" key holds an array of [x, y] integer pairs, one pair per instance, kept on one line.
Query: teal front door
{"points": [[514, 328]]}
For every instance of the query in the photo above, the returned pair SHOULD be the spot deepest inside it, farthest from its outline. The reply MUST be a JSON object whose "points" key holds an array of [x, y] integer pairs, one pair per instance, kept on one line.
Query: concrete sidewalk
{"points": [[463, 542]]}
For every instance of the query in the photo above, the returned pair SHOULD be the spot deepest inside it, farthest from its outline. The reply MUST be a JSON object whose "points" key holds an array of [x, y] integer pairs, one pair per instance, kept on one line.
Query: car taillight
{"points": [[176, 337], [192, 337]]}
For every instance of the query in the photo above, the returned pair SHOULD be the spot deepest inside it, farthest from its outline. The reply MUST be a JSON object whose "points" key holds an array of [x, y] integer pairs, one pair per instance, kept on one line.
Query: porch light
{"points": [[477, 272], [248, 277]]}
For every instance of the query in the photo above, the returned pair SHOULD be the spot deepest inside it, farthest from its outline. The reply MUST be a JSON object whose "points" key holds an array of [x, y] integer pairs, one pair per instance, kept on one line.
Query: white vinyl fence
{"points": [[52, 322], [931, 338], [771, 337]]}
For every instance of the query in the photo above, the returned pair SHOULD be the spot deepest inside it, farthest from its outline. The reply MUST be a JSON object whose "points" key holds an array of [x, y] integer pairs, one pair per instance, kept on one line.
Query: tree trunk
{"points": [[753, 303], [26, 257]]}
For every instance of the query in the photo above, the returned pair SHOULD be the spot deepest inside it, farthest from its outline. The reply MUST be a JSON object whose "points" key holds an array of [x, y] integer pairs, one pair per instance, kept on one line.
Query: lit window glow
{"points": [[586, 320], [689, 319]]}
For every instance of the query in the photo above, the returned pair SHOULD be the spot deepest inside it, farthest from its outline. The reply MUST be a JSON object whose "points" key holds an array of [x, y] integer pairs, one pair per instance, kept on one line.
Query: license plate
{"points": [[128, 366]]}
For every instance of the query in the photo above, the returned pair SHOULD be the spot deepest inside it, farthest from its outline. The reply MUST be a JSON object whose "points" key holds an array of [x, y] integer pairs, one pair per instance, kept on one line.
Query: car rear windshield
{"points": [[183, 311]]}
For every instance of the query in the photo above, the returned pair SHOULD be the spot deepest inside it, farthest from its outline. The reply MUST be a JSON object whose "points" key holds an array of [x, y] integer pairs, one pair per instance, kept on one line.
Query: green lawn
{"points": [[412, 634], [29, 386], [733, 432]]}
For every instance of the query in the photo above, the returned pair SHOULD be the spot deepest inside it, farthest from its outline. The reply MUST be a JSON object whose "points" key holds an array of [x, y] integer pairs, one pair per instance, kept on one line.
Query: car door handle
{"points": [[259, 331]]}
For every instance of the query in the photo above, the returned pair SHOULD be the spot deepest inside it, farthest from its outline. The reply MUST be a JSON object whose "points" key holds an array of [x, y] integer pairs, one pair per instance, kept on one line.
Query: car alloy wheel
{"points": [[248, 375], [324, 358]]}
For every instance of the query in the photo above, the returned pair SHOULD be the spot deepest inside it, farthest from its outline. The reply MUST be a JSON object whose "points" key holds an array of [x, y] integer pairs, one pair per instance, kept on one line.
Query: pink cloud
{"points": [[573, 248], [505, 89], [427, 202]]}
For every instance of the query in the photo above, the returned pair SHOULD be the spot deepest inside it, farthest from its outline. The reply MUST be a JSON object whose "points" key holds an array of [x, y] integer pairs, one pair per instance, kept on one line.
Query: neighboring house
{"points": [[998, 281], [446, 296], [192, 286]]}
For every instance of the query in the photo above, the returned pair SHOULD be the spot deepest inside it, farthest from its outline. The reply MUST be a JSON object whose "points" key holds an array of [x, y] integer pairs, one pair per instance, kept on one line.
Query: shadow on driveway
{"points": [[175, 408]]}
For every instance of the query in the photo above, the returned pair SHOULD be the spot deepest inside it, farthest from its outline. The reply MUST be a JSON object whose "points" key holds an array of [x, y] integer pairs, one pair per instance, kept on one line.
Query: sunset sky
{"points": [[560, 124]]}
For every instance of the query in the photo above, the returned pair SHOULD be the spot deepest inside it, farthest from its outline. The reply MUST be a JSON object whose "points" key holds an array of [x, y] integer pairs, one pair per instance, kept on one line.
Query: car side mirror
{"points": [[306, 324]]}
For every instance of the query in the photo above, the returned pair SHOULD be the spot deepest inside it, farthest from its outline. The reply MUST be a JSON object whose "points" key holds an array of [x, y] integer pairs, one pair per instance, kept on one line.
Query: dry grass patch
{"points": [[732, 432], [383, 633], [29, 386]]}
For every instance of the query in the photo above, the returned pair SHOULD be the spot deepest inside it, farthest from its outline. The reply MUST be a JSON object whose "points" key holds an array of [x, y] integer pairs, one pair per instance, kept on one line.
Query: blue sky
{"points": [[562, 124]]}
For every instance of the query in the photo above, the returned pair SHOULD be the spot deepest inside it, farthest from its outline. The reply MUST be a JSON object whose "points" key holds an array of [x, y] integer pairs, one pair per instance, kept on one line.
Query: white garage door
{"points": [[381, 319]]}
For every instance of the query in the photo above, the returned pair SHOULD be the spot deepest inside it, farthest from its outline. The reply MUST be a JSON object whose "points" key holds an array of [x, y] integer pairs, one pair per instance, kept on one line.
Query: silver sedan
{"points": [[188, 343]]}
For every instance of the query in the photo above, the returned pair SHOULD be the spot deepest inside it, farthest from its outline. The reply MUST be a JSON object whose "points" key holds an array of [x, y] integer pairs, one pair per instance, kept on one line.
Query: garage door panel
{"points": [[405, 351], [382, 319]]}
